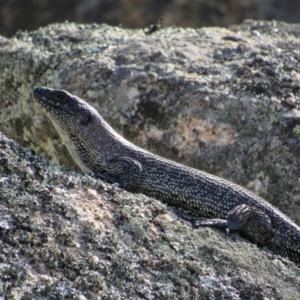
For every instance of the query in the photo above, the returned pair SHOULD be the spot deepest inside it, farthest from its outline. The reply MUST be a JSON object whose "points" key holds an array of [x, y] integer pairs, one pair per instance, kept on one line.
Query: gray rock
{"points": [[66, 235], [211, 98]]}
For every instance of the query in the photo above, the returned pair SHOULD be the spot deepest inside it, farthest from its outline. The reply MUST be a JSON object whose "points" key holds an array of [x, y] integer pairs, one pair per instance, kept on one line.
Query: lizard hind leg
{"points": [[249, 221], [235, 219]]}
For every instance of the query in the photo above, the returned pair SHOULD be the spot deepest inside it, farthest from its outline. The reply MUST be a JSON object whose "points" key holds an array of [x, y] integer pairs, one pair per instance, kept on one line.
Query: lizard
{"points": [[217, 202]]}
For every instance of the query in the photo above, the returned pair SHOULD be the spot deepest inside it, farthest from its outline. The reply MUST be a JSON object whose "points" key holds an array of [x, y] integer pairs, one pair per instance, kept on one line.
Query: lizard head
{"points": [[64, 108], [82, 129]]}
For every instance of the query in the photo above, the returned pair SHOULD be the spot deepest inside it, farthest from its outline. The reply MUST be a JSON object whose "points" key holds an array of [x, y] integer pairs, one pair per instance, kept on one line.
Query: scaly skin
{"points": [[97, 148]]}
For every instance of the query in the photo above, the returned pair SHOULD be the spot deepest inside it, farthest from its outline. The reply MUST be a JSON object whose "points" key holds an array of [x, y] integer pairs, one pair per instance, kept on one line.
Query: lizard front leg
{"points": [[126, 169]]}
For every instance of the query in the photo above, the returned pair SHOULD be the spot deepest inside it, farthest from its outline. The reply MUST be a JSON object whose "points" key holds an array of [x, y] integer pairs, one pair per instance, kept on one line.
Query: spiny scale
{"points": [[96, 147]]}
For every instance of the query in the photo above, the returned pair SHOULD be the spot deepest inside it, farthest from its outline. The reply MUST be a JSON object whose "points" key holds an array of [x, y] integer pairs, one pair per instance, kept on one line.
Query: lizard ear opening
{"points": [[85, 120], [61, 97]]}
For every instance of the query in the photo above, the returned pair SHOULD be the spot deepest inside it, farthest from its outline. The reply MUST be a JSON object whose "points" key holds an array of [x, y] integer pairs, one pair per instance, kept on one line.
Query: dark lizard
{"points": [[97, 148]]}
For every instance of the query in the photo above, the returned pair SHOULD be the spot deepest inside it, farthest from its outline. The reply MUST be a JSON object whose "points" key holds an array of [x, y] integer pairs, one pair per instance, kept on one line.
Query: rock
{"points": [[66, 235], [210, 98]]}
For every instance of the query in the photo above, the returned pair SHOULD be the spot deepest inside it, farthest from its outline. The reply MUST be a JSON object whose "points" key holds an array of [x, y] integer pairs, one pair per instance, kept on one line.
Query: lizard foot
{"points": [[248, 220]]}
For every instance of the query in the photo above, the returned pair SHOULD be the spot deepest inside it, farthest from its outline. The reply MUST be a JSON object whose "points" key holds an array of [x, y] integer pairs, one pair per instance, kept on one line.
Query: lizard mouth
{"points": [[57, 107], [49, 106]]}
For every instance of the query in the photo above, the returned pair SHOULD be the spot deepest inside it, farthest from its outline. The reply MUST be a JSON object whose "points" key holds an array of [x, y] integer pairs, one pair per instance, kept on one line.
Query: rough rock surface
{"points": [[66, 235], [222, 100]]}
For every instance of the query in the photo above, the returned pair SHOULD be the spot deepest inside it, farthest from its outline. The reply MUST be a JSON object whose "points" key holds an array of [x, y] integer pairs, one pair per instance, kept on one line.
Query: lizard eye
{"points": [[61, 97], [85, 120]]}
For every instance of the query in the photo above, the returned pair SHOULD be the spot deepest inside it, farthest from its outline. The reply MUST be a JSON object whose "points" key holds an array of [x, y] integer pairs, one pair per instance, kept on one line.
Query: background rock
{"points": [[31, 14], [214, 99]]}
